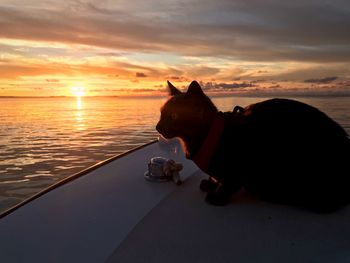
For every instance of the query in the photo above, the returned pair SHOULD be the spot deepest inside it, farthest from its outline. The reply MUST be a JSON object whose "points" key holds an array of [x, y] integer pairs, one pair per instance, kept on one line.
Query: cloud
{"points": [[277, 86], [140, 75], [115, 69], [322, 80], [138, 90], [4, 60], [299, 72], [110, 54], [229, 45], [177, 78], [250, 31], [13, 71], [226, 86]]}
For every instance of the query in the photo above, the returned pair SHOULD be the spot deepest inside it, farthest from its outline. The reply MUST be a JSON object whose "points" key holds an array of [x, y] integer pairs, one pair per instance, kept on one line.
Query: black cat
{"points": [[280, 150]]}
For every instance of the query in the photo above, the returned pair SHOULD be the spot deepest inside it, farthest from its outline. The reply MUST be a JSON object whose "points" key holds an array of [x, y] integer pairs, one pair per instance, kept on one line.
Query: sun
{"points": [[78, 91]]}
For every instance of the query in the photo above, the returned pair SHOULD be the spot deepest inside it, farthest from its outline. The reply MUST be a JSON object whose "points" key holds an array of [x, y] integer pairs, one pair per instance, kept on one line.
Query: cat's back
{"points": [[295, 117], [282, 125]]}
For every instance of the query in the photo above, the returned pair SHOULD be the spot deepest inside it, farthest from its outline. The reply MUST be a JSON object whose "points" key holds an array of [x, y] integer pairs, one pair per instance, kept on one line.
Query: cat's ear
{"points": [[172, 89], [194, 89]]}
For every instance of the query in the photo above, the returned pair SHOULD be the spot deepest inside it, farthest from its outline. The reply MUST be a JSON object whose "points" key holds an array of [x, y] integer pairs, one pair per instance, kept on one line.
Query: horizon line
{"points": [[246, 94]]}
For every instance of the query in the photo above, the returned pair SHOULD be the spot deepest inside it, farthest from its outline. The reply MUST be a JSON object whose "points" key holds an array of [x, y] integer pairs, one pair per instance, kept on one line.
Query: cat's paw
{"points": [[208, 185]]}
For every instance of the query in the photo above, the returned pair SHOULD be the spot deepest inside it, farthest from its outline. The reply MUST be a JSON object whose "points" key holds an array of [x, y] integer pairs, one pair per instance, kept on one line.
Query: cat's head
{"points": [[186, 114]]}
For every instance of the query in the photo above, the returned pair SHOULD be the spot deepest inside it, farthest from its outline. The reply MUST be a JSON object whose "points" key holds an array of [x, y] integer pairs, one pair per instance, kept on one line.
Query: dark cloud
{"points": [[258, 80], [177, 78], [226, 86], [322, 80], [278, 86], [253, 30], [140, 75]]}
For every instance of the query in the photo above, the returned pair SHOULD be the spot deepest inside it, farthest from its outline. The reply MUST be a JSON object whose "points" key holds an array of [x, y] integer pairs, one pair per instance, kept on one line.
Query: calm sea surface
{"points": [[43, 140]]}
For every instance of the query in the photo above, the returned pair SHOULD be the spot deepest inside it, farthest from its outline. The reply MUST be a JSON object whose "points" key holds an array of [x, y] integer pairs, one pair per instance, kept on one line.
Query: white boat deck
{"points": [[112, 214], [183, 228]]}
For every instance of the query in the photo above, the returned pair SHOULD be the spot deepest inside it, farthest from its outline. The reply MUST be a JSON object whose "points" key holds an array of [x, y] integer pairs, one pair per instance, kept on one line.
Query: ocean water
{"points": [[43, 140]]}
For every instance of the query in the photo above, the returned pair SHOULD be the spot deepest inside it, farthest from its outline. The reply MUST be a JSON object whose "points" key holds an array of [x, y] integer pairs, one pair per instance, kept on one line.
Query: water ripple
{"points": [[45, 140]]}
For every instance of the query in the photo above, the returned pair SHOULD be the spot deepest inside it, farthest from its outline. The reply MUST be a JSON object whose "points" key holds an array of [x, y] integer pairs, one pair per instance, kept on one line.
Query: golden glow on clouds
{"points": [[91, 48]]}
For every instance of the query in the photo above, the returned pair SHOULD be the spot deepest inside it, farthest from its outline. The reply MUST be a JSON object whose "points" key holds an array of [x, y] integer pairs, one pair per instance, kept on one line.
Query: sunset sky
{"points": [[106, 47]]}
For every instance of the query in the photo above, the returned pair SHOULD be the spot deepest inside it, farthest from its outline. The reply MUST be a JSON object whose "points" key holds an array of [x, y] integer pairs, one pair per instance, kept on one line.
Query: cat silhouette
{"points": [[279, 150]]}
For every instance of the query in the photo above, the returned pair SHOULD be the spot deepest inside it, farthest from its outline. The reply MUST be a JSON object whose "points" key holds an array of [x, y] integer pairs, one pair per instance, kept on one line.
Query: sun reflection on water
{"points": [[79, 115], [79, 103]]}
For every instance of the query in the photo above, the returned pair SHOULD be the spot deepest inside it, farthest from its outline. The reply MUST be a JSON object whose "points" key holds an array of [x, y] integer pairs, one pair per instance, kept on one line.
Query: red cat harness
{"points": [[203, 157]]}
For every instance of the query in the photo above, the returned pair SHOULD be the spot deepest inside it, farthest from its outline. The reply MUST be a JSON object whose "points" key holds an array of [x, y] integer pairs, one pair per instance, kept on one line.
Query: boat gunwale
{"points": [[72, 177]]}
